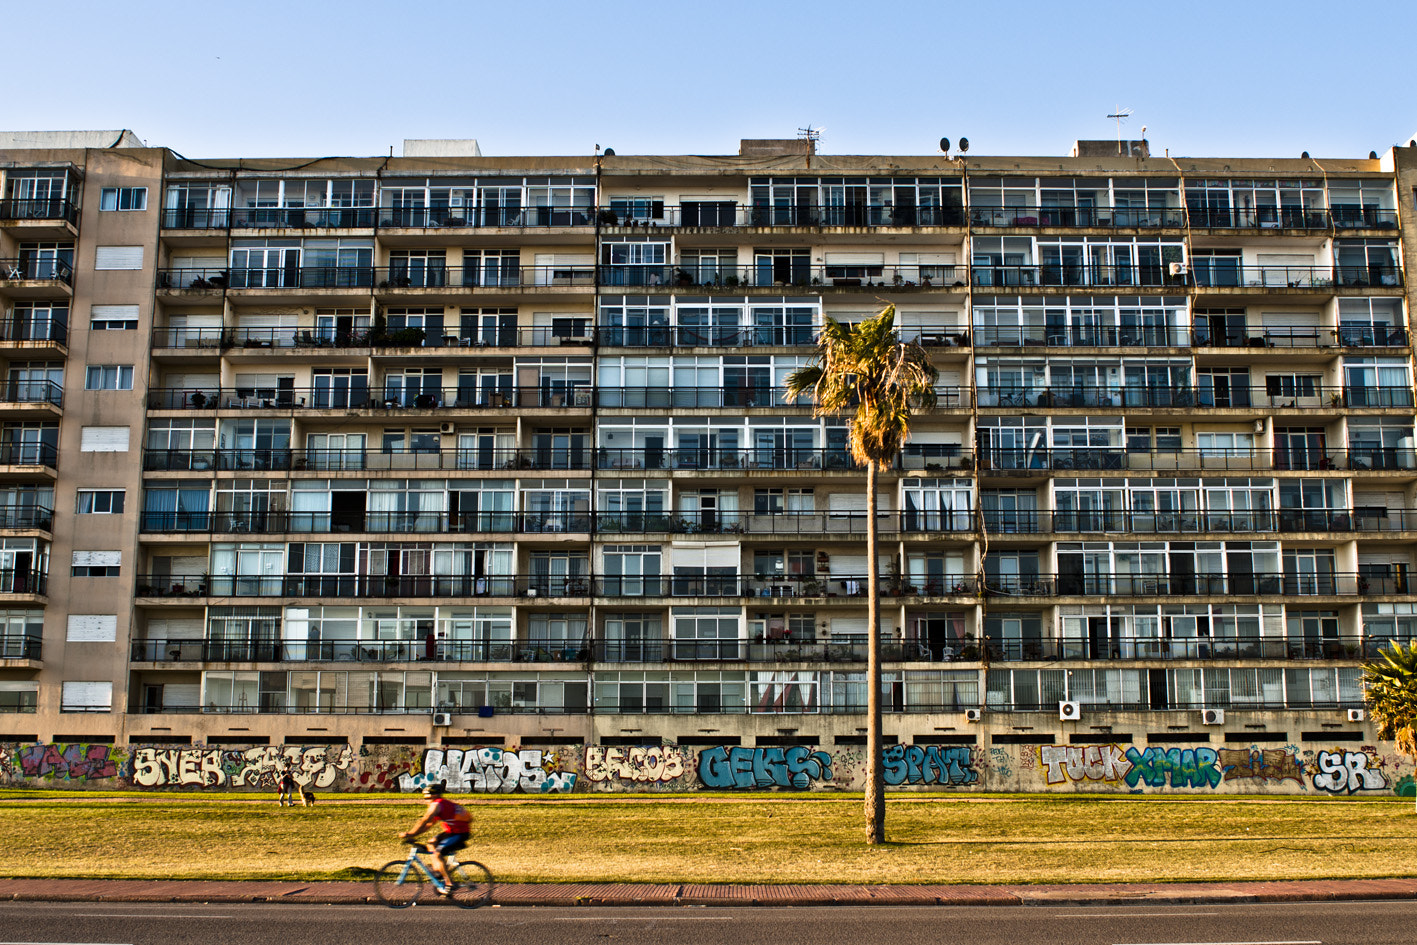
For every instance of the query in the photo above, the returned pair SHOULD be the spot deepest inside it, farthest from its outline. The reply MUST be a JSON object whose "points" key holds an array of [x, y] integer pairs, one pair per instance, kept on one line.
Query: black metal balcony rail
{"points": [[376, 523], [1132, 522], [516, 217], [19, 646], [43, 208], [29, 454], [34, 330], [36, 270], [158, 460], [23, 581], [357, 651], [361, 397], [1307, 397], [1235, 584], [1208, 274], [1293, 218], [1108, 277], [729, 213], [1297, 336], [776, 523], [768, 274], [1099, 336], [39, 391], [196, 218], [194, 277], [1003, 460], [724, 336], [709, 459], [26, 516], [1130, 647], [300, 218], [1090, 217]]}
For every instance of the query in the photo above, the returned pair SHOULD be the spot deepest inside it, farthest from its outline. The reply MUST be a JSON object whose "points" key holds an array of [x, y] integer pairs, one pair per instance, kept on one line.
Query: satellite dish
{"points": [[1304, 155], [945, 145], [609, 152], [964, 144], [1372, 155]]}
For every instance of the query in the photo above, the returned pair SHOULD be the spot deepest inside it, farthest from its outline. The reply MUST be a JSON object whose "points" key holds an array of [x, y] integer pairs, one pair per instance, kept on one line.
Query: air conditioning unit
{"points": [[1212, 716], [446, 428], [1356, 715], [582, 398], [1177, 269], [1069, 711], [443, 719], [973, 715]]}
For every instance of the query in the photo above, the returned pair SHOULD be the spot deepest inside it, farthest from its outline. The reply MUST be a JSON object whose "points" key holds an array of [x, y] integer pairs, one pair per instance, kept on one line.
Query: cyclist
{"points": [[456, 823]]}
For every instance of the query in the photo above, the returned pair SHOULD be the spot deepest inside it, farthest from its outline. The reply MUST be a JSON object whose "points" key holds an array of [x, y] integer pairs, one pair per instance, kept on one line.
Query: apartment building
{"points": [[446, 449]]}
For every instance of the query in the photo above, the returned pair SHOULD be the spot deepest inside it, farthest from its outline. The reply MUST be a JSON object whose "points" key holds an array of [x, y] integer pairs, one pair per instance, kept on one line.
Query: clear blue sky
{"points": [[1236, 78]]}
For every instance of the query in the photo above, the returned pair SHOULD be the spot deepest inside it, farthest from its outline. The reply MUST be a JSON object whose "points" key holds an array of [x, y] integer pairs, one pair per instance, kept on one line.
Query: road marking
{"points": [[1305, 941], [1125, 915]]}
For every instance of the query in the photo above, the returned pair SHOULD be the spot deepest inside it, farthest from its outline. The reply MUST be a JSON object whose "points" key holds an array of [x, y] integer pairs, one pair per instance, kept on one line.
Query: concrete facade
{"points": [[452, 452]]}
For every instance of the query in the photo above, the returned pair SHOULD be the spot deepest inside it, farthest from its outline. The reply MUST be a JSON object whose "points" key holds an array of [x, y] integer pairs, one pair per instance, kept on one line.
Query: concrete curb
{"points": [[670, 894]]}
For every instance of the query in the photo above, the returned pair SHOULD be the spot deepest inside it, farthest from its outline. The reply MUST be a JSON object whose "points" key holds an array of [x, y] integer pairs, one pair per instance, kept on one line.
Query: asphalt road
{"points": [[1338, 923]]}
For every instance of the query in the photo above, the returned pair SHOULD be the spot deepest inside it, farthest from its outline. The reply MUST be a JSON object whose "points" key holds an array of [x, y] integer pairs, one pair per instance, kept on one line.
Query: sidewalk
{"points": [[616, 894]]}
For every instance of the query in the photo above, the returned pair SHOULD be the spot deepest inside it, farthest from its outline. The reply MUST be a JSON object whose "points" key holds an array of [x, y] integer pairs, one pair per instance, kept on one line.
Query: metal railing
{"points": [[1043, 460], [1242, 584], [366, 522], [34, 330], [29, 454], [36, 270], [1276, 336], [1293, 218], [1066, 336], [39, 391], [16, 646], [1212, 275], [1130, 647], [23, 581], [43, 208], [513, 217], [26, 516], [358, 651], [1305, 397], [697, 459], [1067, 217]]}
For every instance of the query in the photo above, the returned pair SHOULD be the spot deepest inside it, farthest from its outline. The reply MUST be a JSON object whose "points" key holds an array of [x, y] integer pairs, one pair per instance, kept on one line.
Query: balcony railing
{"points": [[1066, 336], [36, 270], [44, 208], [17, 646], [285, 522], [1293, 218], [1308, 397], [26, 516], [1042, 460], [26, 581], [1226, 276], [1242, 584], [34, 330], [1276, 336], [703, 459], [515, 217], [356, 651], [29, 454], [1067, 217], [31, 392], [1132, 647]]}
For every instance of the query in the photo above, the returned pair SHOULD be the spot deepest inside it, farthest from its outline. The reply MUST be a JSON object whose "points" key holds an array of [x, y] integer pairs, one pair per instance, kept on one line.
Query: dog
{"points": [[307, 798]]}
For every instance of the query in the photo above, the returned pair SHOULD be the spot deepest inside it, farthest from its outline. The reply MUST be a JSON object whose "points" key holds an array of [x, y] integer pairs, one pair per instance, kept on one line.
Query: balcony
{"points": [[1092, 336], [362, 398], [18, 646], [1292, 218], [1306, 397], [1131, 647], [1235, 584], [729, 214], [26, 517], [515, 217], [366, 522], [1207, 274], [33, 333], [301, 218], [35, 278], [1079, 217], [22, 457], [17, 393], [26, 581], [1028, 461], [712, 460], [40, 218]]}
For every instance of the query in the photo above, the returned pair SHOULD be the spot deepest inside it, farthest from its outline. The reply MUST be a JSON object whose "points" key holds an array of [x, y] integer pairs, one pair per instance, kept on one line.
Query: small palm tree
{"points": [[867, 372], [1390, 691]]}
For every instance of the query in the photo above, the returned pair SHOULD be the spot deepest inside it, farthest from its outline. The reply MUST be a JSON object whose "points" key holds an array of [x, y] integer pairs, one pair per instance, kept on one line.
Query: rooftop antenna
{"points": [[1121, 114], [811, 136]]}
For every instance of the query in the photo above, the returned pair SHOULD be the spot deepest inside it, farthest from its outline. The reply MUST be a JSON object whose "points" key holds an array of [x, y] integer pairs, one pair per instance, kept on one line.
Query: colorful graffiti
{"points": [[1180, 767], [928, 764], [1347, 772], [314, 767], [1080, 763], [68, 762], [492, 771], [1270, 765], [797, 766], [651, 764]]}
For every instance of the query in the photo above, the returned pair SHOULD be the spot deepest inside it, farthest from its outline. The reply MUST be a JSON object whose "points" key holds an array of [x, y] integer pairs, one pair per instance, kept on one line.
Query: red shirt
{"points": [[455, 818]]}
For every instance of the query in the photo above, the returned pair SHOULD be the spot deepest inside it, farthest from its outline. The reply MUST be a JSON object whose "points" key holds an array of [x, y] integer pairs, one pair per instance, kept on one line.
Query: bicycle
{"points": [[399, 883]]}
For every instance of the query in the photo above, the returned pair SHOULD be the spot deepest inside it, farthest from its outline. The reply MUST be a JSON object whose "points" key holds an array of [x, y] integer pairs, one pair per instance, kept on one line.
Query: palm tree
{"points": [[1390, 691], [865, 370]]}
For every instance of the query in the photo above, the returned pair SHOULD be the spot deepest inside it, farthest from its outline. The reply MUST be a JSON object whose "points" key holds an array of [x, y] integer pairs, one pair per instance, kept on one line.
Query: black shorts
{"points": [[446, 843]]}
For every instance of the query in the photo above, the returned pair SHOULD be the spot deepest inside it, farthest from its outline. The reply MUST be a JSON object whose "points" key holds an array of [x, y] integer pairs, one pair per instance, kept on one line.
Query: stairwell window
{"points": [[109, 377], [123, 198]]}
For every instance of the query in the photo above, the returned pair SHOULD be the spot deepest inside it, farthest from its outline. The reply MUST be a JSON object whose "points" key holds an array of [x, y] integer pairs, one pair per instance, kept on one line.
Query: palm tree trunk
{"points": [[875, 780]]}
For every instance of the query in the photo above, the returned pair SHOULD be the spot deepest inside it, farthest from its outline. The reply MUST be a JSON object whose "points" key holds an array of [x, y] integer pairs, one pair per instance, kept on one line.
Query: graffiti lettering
{"points": [[1346, 772], [1271, 764], [1083, 763], [214, 767], [640, 764], [929, 764], [68, 762], [1184, 767], [739, 767], [492, 771]]}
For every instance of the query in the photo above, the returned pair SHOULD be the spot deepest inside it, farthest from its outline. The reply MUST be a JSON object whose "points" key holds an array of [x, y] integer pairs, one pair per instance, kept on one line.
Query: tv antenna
{"points": [[1121, 114], [810, 134]]}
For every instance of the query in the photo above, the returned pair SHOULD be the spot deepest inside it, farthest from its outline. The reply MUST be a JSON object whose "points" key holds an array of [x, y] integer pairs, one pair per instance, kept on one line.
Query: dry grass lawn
{"points": [[723, 839]]}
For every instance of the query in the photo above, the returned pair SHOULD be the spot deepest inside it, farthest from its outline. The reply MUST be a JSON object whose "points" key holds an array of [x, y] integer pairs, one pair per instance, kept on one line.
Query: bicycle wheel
{"points": [[396, 889], [474, 884]]}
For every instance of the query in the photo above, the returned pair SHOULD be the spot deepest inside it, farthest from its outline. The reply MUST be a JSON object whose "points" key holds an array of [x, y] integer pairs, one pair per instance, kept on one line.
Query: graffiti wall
{"points": [[1315, 770]]}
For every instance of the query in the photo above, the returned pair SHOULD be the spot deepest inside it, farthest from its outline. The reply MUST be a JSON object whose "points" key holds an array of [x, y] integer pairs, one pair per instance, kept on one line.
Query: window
{"points": [[100, 502], [97, 563], [118, 257], [109, 377], [113, 317], [104, 440], [92, 628], [86, 697], [123, 198]]}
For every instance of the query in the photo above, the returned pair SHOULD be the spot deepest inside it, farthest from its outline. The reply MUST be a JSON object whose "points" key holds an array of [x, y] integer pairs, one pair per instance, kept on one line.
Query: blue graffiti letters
{"points": [[928, 764], [1184, 767], [738, 767]]}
